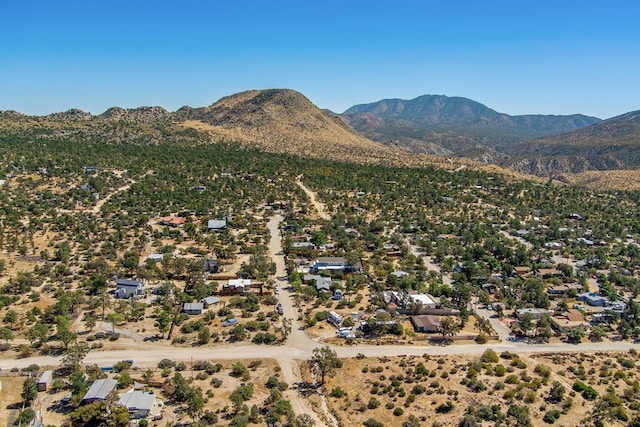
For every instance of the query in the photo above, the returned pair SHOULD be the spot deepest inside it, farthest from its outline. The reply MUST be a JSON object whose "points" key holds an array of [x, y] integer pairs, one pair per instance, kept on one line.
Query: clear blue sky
{"points": [[516, 56]]}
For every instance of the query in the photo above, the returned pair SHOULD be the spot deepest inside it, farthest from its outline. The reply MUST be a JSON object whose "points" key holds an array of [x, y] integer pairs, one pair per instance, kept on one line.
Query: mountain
{"points": [[610, 144], [441, 124]]}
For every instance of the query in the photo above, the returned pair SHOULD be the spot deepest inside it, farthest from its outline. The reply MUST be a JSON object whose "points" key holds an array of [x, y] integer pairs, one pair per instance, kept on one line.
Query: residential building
{"points": [[193, 308], [140, 404], [126, 288], [99, 390], [217, 224], [537, 313], [594, 299], [426, 323]]}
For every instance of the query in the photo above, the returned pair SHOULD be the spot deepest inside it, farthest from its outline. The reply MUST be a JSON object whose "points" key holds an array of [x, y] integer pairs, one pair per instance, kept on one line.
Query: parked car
{"points": [[277, 289], [230, 322], [280, 309]]}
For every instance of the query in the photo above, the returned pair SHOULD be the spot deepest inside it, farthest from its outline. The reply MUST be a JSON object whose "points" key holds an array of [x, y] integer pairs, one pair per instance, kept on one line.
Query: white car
{"points": [[277, 289]]}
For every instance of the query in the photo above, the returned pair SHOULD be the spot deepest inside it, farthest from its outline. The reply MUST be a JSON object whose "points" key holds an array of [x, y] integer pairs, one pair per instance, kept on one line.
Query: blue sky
{"points": [[517, 56]]}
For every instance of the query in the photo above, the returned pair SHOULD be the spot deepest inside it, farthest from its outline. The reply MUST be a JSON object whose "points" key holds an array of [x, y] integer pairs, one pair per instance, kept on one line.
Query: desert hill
{"points": [[610, 144]]}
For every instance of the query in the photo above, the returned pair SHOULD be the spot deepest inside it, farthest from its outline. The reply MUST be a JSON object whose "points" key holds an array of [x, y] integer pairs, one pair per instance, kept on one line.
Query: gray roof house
{"points": [[128, 288], [99, 390], [193, 307], [217, 224], [139, 403]]}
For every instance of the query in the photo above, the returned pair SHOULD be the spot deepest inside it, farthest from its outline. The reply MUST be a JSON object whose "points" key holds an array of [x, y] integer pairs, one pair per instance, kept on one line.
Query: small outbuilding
{"points": [[99, 390], [44, 382]]}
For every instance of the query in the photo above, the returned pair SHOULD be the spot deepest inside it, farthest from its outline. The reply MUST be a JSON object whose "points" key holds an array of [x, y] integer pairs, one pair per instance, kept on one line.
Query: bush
{"points": [[398, 411], [489, 356], [551, 416], [445, 408], [114, 337], [373, 403], [372, 423], [482, 339], [337, 392]]}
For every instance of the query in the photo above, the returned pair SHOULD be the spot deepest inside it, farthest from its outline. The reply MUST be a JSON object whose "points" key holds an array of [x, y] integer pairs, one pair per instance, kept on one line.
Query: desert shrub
{"points": [[489, 356], [398, 411], [373, 403], [337, 392], [551, 416], [521, 415], [215, 382], [372, 423], [166, 363], [445, 408]]}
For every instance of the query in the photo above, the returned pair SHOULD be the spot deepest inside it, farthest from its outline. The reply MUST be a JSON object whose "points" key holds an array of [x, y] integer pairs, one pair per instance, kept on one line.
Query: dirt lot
{"points": [[390, 390]]}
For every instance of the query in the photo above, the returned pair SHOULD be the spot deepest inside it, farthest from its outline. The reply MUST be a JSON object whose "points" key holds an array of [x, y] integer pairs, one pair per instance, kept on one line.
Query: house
{"points": [[334, 318], [334, 264], [193, 308], [99, 390], [426, 323], [522, 270], [171, 221], [208, 301], [563, 290], [594, 299], [140, 404], [399, 274], [155, 257], [569, 320], [237, 285], [44, 382], [425, 300], [303, 245], [537, 313], [547, 273], [128, 288], [211, 265], [217, 224]]}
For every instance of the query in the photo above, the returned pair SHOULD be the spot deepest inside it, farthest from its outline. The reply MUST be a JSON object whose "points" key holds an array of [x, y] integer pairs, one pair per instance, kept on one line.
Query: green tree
{"points": [[6, 334], [557, 392], [29, 390], [325, 362], [114, 318]]}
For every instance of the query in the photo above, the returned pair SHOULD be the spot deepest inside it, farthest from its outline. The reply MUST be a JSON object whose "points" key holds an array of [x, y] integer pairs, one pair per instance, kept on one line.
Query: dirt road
{"points": [[320, 209]]}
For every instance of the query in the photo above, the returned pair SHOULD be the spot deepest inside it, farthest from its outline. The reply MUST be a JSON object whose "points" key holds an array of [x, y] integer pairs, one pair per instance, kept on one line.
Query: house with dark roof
{"points": [[426, 323], [126, 288]]}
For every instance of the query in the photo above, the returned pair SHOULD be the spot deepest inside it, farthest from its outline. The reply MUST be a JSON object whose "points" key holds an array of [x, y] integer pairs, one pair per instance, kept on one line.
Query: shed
{"points": [[44, 382], [337, 294]]}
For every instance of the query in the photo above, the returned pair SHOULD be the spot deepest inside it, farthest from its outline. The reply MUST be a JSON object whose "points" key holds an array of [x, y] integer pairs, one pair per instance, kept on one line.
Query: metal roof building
{"points": [[99, 390]]}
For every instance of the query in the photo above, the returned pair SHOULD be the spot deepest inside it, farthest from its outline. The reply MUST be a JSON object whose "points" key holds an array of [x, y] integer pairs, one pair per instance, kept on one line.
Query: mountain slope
{"points": [[610, 144], [455, 124], [280, 120]]}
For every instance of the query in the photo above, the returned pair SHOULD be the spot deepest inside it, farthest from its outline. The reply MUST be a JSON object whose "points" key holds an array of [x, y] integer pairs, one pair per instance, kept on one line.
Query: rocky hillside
{"points": [[439, 124], [279, 120], [610, 144]]}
